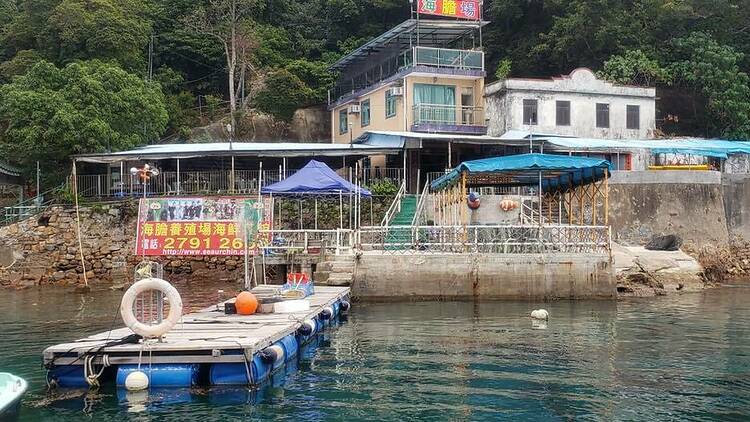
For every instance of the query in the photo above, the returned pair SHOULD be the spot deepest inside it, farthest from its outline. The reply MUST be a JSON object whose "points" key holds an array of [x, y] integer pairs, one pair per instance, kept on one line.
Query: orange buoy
{"points": [[508, 204], [246, 303]]}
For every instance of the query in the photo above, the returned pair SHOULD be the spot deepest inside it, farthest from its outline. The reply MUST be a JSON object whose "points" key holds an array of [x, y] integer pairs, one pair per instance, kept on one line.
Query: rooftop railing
{"points": [[444, 58]]}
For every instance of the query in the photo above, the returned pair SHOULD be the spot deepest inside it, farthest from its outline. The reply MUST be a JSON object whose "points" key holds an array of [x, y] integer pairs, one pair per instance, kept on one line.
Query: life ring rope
{"points": [[148, 330]]}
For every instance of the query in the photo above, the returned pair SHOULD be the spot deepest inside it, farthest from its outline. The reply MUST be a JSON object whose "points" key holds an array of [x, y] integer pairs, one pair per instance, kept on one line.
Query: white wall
{"points": [[504, 101]]}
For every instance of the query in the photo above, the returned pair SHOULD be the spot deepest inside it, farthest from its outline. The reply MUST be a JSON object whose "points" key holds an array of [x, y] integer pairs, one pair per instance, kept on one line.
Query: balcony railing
{"points": [[444, 58], [448, 58], [447, 115]]}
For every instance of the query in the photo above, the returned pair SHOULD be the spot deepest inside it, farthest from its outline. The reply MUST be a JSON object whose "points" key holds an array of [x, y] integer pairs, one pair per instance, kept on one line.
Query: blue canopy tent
{"points": [[317, 179], [560, 178]]}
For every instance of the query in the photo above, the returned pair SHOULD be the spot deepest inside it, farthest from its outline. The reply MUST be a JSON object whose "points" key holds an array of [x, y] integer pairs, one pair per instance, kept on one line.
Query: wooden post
{"points": [[606, 197], [462, 198], [580, 208], [594, 202]]}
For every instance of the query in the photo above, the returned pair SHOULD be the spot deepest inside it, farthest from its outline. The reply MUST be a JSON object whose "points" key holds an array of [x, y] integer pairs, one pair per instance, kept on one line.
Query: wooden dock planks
{"points": [[200, 337]]}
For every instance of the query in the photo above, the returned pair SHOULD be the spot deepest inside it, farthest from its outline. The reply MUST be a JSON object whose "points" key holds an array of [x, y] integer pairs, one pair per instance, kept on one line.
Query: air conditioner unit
{"points": [[396, 91], [354, 108]]}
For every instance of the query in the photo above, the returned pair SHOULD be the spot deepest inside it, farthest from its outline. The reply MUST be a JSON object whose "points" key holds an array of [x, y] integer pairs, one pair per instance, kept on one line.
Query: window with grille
{"points": [[530, 116], [562, 117], [602, 115], [633, 117]]}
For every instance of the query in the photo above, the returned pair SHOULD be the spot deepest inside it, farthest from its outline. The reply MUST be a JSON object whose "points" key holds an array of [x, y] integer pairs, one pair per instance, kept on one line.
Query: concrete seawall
{"points": [[478, 276], [687, 203]]}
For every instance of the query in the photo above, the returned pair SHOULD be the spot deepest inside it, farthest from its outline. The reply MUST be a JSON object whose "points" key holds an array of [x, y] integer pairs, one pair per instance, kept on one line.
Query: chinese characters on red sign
{"points": [[201, 226], [463, 9]]}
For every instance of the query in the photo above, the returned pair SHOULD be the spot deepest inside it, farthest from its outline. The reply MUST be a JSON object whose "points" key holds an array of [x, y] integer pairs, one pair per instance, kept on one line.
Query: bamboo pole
{"points": [[606, 197]]}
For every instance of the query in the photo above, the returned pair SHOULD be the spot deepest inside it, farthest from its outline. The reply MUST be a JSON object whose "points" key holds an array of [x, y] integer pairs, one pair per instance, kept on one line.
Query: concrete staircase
{"points": [[399, 231], [336, 270]]}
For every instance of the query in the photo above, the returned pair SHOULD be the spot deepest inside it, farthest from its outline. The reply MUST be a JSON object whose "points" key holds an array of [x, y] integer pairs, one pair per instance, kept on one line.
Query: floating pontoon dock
{"points": [[205, 347]]}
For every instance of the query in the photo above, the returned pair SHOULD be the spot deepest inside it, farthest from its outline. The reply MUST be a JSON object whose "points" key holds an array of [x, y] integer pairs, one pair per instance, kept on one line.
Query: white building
{"points": [[578, 105]]}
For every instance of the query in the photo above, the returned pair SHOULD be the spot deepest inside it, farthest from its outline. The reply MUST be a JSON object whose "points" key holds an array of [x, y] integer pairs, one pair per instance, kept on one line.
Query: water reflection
{"points": [[683, 357]]}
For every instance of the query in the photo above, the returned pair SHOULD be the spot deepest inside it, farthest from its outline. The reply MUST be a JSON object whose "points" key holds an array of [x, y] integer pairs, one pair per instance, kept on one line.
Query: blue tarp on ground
{"points": [[557, 170], [315, 178]]}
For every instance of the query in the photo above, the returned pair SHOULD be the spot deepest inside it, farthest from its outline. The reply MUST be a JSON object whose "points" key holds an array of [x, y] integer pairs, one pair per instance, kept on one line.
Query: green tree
{"points": [[282, 95], [19, 65], [316, 77], [50, 113], [635, 68], [712, 70], [104, 29], [503, 69], [180, 103]]}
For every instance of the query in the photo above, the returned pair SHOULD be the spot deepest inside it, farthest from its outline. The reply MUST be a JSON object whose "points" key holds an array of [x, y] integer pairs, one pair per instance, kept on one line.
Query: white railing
{"points": [[207, 182], [336, 241], [448, 57], [447, 114], [395, 174], [395, 207], [418, 220], [514, 239]]}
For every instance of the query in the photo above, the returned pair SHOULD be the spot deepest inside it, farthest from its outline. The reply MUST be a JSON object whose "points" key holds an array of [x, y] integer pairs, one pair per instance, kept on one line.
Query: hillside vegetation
{"points": [[95, 75]]}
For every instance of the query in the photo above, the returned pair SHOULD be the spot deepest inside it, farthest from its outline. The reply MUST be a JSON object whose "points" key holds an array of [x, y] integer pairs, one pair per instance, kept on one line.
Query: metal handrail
{"points": [[420, 204], [395, 206], [28, 208], [491, 239]]}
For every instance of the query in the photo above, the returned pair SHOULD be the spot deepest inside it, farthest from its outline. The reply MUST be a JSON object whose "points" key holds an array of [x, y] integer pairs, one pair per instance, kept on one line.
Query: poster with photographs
{"points": [[202, 225]]}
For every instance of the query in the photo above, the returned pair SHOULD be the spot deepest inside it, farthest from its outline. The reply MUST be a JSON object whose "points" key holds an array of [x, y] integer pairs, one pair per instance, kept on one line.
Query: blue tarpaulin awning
{"points": [[523, 170], [315, 178]]}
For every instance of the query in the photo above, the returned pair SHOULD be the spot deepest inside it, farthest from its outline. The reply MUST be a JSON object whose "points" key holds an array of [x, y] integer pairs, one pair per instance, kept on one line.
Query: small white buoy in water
{"points": [[136, 381], [540, 314]]}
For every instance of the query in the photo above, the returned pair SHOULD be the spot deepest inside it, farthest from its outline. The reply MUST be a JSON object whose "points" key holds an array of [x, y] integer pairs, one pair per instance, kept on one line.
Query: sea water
{"points": [[684, 357]]}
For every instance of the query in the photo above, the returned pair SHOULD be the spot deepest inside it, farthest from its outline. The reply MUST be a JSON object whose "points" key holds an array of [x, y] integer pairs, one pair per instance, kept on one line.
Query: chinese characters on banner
{"points": [[462, 9], [201, 226]]}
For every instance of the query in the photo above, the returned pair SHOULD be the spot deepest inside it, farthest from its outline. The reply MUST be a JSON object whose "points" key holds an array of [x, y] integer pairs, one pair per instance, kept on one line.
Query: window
{"points": [[633, 120], [562, 116], [390, 104], [529, 112], [467, 105], [434, 103], [602, 115], [365, 113], [435, 94], [343, 121]]}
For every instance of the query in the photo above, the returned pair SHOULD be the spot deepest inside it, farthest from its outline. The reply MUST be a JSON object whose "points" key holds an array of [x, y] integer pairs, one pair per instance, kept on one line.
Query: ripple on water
{"points": [[683, 357]]}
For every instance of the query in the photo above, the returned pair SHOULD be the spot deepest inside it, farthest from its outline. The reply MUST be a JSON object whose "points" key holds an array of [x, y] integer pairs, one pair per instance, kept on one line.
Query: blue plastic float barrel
{"points": [[68, 376], [162, 374]]}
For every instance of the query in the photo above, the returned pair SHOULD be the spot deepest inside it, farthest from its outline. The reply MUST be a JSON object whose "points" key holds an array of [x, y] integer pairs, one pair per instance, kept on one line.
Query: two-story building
{"points": [[577, 104], [424, 76]]}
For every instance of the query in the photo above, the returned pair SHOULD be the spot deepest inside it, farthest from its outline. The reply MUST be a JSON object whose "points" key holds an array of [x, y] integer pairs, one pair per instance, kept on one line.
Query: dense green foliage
{"points": [[694, 51], [50, 113]]}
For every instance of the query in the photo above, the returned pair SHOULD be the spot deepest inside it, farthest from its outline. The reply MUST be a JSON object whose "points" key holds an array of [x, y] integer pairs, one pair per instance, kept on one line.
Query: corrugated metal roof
{"points": [[6, 168], [456, 138], [716, 146], [432, 32], [237, 149]]}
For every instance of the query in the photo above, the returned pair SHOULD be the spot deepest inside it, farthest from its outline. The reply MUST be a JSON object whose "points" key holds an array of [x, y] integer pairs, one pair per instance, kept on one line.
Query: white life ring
{"points": [[146, 330]]}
